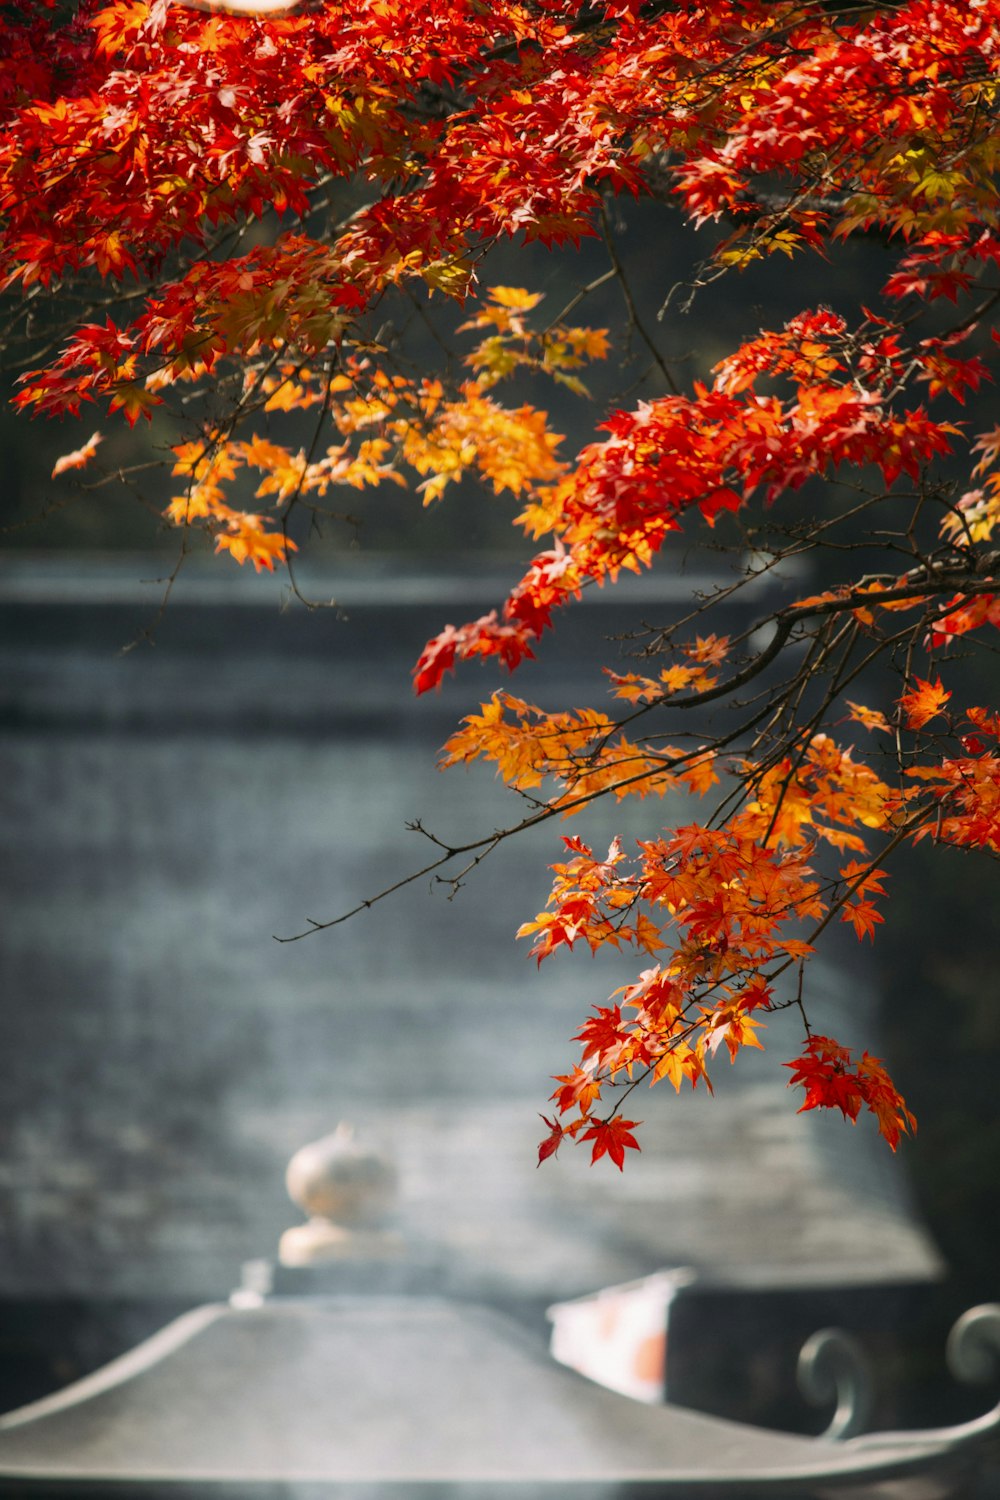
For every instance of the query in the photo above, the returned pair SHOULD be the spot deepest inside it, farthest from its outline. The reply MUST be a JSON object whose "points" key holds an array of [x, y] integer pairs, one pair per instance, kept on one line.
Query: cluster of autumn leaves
{"points": [[236, 200], [730, 907], [389, 427]]}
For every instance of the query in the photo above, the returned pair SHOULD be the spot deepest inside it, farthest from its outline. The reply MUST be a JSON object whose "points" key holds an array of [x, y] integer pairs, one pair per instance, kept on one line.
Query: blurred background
{"points": [[180, 784]]}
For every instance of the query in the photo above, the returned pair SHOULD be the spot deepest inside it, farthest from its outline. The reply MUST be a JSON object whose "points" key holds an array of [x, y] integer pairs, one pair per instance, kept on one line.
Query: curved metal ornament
{"points": [[833, 1367], [973, 1347]]}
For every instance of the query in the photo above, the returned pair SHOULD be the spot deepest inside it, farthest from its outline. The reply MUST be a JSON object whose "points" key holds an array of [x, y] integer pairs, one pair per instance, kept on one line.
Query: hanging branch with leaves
{"points": [[211, 213]]}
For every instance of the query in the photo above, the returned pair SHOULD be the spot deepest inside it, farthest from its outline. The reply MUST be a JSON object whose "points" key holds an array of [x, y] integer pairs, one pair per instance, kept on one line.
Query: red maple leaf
{"points": [[612, 1137]]}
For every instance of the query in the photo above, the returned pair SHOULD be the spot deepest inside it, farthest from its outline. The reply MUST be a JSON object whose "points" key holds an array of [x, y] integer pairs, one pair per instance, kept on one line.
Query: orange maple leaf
{"points": [[579, 1090], [79, 457], [708, 649], [247, 540], [923, 702], [134, 400], [863, 915]]}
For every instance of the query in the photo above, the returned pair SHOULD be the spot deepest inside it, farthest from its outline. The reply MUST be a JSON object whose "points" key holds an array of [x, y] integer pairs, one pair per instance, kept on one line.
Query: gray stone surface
{"points": [[416, 1392], [164, 812]]}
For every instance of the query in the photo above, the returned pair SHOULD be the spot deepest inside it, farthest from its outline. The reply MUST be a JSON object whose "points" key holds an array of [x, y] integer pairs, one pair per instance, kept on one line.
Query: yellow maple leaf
{"points": [[515, 297], [632, 687], [247, 540], [871, 718]]}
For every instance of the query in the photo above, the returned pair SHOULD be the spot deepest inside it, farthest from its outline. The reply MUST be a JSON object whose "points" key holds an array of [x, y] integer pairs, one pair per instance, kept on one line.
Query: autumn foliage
{"points": [[234, 200]]}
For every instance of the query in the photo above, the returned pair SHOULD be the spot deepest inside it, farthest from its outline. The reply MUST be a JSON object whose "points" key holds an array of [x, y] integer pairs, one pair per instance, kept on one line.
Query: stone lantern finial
{"points": [[348, 1191]]}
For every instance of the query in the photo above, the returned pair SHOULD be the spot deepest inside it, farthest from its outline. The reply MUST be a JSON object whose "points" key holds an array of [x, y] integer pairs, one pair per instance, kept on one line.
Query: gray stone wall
{"points": [[167, 810]]}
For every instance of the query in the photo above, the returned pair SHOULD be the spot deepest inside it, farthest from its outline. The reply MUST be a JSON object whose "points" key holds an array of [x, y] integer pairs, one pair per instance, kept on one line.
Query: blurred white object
{"points": [[348, 1190], [618, 1336]]}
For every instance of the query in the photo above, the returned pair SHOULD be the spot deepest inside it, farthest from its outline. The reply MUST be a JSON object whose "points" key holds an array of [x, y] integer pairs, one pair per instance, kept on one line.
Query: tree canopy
{"points": [[211, 216]]}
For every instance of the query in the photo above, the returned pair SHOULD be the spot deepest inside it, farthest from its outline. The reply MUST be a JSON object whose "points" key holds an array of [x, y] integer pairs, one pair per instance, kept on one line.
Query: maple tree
{"points": [[208, 211]]}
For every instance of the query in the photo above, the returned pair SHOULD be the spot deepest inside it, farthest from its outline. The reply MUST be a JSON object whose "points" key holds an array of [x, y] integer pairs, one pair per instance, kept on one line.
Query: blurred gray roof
{"points": [[400, 1392]]}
